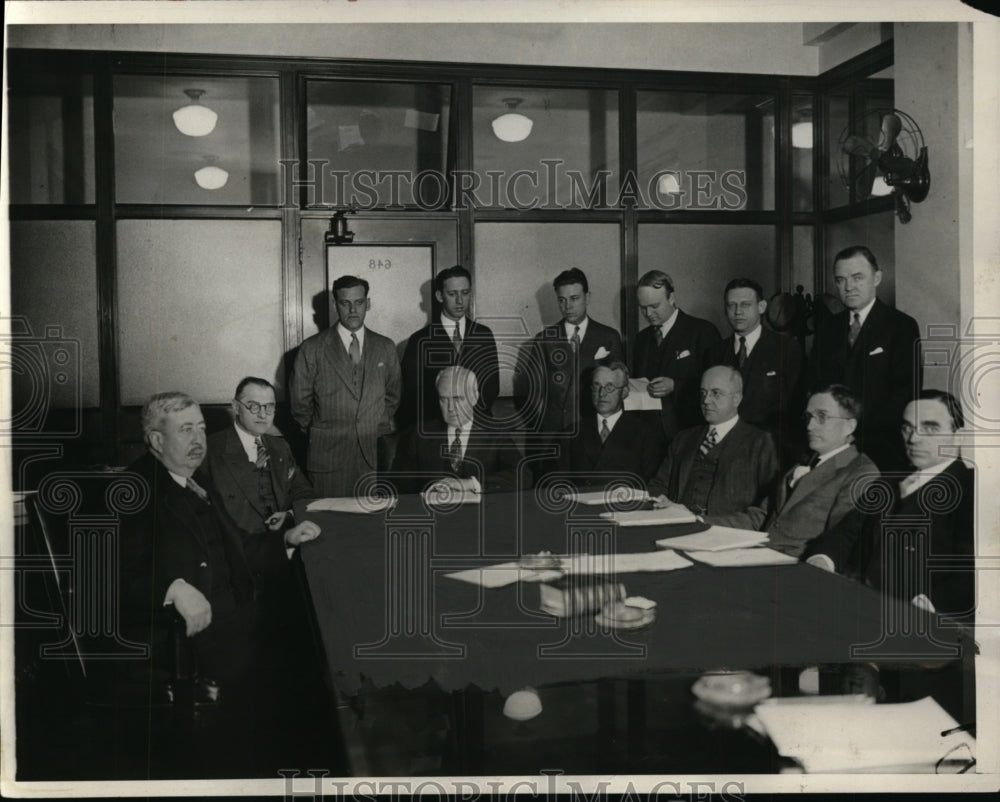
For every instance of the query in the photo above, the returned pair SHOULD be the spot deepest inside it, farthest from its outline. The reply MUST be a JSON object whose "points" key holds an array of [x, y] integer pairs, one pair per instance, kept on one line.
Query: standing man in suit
{"points": [[816, 495], [344, 392], [770, 364], [456, 451], [454, 339], [672, 352], [611, 441], [722, 466], [873, 349], [938, 495]]}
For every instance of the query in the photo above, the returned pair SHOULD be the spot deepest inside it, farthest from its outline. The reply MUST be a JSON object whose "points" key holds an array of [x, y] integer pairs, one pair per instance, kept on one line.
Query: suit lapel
{"points": [[235, 460], [339, 360], [686, 464]]}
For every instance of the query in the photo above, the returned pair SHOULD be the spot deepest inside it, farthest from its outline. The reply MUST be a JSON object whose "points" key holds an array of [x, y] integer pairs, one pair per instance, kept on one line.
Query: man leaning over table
{"points": [[722, 466], [938, 494], [816, 494], [456, 452]]}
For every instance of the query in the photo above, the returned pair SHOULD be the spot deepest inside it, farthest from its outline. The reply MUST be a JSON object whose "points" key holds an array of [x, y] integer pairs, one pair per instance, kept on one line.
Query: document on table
{"points": [[444, 498], [639, 398], [617, 495], [738, 558], [715, 538], [497, 576], [351, 504], [851, 737], [675, 514]]}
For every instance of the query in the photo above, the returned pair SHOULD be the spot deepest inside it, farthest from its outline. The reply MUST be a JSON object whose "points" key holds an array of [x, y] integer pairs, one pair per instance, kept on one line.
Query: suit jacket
{"points": [[682, 356], [819, 500], [235, 478], [883, 369], [747, 468], [770, 380], [428, 351], [630, 448], [337, 415], [945, 505], [489, 456], [561, 377]]}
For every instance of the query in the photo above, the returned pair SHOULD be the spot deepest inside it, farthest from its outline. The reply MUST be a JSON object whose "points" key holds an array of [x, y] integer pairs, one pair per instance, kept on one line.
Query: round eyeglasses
{"points": [[606, 389], [255, 409]]}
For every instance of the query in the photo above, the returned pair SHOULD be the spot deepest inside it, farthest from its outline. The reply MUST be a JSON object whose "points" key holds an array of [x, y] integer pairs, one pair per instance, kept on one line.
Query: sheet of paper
{"points": [[675, 514], [497, 576], [851, 737], [620, 495], [737, 558], [639, 398], [715, 538], [624, 563], [350, 504], [435, 499]]}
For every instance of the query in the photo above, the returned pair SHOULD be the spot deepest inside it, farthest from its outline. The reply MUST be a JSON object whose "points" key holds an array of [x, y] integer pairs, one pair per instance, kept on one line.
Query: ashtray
{"points": [[623, 615], [732, 688], [578, 597], [543, 561]]}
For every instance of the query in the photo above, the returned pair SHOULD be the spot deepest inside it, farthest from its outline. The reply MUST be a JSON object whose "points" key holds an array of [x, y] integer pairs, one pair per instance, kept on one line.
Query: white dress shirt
{"points": [[569, 327], [751, 337], [668, 324], [611, 419], [345, 337]]}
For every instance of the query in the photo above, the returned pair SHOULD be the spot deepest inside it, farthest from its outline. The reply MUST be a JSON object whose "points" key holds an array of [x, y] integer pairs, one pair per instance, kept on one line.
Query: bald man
{"points": [[724, 465]]}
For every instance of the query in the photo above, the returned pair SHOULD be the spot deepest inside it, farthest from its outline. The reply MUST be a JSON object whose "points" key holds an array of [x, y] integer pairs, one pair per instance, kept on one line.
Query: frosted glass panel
{"points": [[877, 232], [199, 306], [515, 266], [53, 276], [701, 259]]}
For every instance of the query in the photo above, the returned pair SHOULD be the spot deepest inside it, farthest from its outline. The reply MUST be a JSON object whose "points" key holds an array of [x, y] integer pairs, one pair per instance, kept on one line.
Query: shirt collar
{"points": [[752, 338], [668, 324], [449, 325], [345, 336], [181, 480], [611, 419], [568, 327], [722, 429], [824, 457], [918, 479], [248, 441], [862, 313]]}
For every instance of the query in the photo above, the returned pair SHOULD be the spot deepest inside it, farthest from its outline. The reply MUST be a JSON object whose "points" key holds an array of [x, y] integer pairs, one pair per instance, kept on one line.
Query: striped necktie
{"points": [[262, 456], [709, 442], [197, 489], [455, 452]]}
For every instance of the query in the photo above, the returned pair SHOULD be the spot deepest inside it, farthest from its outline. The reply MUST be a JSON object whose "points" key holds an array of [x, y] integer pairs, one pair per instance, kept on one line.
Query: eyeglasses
{"points": [[255, 409], [957, 760], [821, 417], [606, 389], [715, 395], [907, 430]]}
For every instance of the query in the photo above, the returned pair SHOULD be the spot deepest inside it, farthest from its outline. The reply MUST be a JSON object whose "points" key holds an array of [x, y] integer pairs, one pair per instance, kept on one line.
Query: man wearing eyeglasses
{"points": [[815, 495], [723, 466], [612, 444], [929, 514]]}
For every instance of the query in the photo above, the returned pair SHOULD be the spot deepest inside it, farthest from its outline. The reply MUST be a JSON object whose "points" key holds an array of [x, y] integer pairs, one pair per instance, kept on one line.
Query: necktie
{"points": [[262, 455], [574, 341], [658, 334], [605, 431], [197, 489], [741, 355], [457, 339], [709, 442], [355, 349], [455, 452], [854, 330]]}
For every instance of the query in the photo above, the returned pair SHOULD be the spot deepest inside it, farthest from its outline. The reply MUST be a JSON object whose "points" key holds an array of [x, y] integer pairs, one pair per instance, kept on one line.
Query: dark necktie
{"points": [[457, 339], [262, 455], [197, 489], [658, 334], [605, 431], [709, 442], [574, 341], [854, 330], [355, 349], [741, 355], [455, 452]]}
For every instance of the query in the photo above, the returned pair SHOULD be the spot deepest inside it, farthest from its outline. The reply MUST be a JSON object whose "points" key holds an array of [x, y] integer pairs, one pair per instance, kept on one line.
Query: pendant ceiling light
{"points": [[195, 119], [512, 127], [211, 176]]}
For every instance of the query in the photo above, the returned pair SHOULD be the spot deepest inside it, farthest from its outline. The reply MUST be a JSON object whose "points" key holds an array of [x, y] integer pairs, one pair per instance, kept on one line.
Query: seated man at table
{"points": [[455, 451], [613, 441], [724, 466], [813, 496], [883, 548]]}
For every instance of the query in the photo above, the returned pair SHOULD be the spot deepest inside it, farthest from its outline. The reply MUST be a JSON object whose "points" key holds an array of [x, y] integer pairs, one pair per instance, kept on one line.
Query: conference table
{"points": [[389, 614]]}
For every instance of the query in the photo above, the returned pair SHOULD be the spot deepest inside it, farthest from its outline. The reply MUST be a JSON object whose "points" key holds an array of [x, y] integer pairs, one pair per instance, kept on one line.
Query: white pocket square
{"points": [[878, 350], [683, 354], [291, 472], [380, 365], [772, 373], [601, 353]]}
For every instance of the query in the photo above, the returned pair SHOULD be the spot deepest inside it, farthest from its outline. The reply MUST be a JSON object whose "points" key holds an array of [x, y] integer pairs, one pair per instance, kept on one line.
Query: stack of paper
{"points": [[675, 514], [617, 495], [715, 538], [350, 504], [638, 398], [742, 558], [497, 576], [851, 737]]}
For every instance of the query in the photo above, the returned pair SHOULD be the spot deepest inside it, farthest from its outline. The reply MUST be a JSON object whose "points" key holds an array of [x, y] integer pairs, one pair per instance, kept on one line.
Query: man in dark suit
{"points": [[873, 349], [455, 452], [929, 513], [555, 368], [453, 339], [770, 364], [344, 393], [672, 352], [611, 441], [816, 495], [722, 466]]}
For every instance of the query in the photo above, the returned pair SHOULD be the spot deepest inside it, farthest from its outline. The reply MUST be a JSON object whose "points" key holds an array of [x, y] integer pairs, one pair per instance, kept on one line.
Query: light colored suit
{"points": [[817, 502], [344, 421]]}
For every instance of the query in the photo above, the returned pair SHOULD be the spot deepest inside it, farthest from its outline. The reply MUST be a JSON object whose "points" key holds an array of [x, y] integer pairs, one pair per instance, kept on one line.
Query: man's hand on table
{"points": [[661, 502], [452, 484], [191, 604], [302, 533]]}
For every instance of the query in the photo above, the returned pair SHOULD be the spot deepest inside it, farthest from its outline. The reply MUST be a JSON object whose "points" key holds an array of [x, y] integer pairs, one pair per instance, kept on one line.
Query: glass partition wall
{"points": [[183, 201]]}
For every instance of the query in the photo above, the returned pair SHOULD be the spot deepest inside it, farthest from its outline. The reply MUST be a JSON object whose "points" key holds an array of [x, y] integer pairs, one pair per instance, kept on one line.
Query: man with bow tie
{"points": [[816, 494], [928, 516], [873, 349], [722, 466], [455, 452]]}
